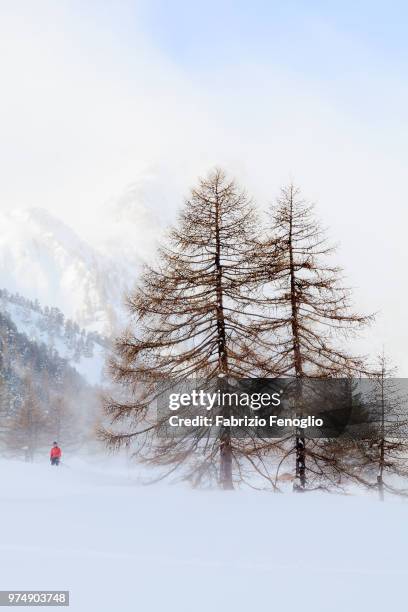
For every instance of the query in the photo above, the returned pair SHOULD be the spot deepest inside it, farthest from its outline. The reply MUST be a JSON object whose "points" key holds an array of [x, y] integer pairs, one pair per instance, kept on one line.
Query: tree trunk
{"points": [[300, 444], [380, 480], [225, 441]]}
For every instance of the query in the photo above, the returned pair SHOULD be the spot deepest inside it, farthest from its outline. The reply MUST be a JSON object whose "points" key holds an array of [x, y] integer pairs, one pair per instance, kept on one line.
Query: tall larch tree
{"points": [[194, 316], [312, 308]]}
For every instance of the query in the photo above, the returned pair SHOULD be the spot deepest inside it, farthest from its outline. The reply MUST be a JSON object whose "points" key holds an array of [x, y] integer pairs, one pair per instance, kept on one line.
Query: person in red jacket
{"points": [[55, 454]]}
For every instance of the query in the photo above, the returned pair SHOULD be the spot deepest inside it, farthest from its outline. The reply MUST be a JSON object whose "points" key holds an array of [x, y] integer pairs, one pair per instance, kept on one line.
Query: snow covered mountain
{"points": [[44, 259], [87, 265], [52, 274]]}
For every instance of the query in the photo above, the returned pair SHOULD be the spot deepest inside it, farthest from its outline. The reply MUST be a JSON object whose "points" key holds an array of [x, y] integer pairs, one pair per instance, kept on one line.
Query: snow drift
{"points": [[116, 545]]}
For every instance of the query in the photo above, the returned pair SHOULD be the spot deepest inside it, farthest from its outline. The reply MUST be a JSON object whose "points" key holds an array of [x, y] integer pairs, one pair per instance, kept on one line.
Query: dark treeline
{"points": [[236, 294]]}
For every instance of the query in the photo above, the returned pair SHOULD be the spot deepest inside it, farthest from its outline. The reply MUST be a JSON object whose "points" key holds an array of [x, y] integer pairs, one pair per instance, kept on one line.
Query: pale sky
{"points": [[96, 93]]}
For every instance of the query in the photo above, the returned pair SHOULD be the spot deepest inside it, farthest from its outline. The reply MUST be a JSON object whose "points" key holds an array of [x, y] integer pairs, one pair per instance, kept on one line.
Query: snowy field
{"points": [[115, 545]]}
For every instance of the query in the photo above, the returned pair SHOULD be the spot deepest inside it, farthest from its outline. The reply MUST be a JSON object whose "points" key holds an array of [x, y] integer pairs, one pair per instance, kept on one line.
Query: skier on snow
{"points": [[55, 454]]}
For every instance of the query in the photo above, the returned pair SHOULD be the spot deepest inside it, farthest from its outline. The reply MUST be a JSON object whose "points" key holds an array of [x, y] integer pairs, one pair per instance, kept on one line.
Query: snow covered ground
{"points": [[90, 528]]}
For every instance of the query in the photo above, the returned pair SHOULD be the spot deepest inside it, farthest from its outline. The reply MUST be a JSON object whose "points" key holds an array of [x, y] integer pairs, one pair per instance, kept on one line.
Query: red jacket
{"points": [[55, 452]]}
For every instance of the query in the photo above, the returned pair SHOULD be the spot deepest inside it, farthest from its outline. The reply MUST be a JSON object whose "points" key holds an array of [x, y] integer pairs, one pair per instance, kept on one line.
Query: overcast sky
{"points": [[95, 93]]}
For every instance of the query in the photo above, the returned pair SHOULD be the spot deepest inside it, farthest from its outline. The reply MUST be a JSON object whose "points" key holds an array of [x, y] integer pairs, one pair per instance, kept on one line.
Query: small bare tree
{"points": [[384, 452], [27, 429], [62, 421]]}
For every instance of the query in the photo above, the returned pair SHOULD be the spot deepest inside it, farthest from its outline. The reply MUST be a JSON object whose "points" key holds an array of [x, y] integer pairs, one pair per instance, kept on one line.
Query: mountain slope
{"points": [[42, 258], [85, 269], [82, 350]]}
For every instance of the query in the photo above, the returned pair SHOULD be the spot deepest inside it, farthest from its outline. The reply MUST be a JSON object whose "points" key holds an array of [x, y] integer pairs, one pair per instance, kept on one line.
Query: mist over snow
{"points": [[129, 225]]}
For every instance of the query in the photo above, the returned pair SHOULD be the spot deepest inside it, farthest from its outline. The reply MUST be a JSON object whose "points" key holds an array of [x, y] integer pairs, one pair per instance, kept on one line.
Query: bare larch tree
{"points": [[27, 431], [195, 316], [312, 307], [383, 453]]}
